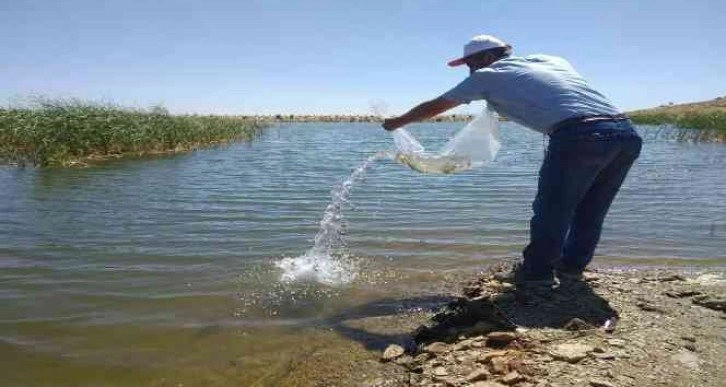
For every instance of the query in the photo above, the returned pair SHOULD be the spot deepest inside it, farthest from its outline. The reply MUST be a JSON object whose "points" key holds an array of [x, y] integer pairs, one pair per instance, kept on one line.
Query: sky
{"points": [[342, 57]]}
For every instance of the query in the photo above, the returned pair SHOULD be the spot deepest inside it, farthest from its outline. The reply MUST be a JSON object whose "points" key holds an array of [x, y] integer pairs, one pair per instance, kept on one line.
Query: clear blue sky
{"points": [[336, 56]]}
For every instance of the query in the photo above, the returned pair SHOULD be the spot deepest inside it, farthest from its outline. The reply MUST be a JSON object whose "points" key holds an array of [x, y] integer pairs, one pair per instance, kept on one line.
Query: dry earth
{"points": [[619, 328]]}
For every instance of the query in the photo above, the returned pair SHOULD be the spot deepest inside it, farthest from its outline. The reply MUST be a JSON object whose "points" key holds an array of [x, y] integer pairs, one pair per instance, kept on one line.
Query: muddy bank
{"points": [[617, 328]]}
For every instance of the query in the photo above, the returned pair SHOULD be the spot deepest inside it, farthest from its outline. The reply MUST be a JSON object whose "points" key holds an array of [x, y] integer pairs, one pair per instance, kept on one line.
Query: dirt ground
{"points": [[618, 328]]}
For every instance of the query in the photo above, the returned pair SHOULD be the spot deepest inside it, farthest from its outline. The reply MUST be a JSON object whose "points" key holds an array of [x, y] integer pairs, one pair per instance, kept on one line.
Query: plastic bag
{"points": [[473, 146]]}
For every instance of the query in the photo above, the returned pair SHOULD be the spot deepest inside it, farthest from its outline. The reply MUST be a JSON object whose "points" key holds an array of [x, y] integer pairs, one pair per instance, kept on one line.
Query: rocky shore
{"points": [[616, 328]]}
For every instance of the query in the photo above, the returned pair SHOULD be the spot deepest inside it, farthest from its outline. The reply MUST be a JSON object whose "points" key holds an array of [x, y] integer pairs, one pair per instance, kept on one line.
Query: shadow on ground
{"points": [[489, 305]]}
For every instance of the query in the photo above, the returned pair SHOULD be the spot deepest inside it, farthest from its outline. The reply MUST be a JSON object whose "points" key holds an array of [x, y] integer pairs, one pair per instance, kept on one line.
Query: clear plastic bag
{"points": [[473, 146]]}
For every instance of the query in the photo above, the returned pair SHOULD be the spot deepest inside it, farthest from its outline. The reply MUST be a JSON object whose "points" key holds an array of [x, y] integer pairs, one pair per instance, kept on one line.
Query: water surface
{"points": [[161, 270]]}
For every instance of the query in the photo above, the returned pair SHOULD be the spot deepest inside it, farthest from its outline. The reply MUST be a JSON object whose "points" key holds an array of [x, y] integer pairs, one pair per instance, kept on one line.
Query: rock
{"points": [[499, 365], [688, 359], [487, 356], [447, 380], [600, 383], [649, 307], [577, 324], [571, 353], [512, 378], [463, 345], [504, 277], [689, 338], [709, 302], [405, 360], [671, 278], [603, 356], [589, 276], [616, 343], [437, 348], [440, 371], [682, 293], [690, 346], [478, 374], [393, 351], [422, 357], [487, 384], [501, 338]]}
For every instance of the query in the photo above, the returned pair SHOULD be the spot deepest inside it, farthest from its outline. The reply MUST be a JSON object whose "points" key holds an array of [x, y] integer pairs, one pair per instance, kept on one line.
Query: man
{"points": [[592, 145]]}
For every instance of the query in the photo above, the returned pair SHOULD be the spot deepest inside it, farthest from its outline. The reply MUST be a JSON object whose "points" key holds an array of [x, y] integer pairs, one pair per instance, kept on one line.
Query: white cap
{"points": [[477, 44]]}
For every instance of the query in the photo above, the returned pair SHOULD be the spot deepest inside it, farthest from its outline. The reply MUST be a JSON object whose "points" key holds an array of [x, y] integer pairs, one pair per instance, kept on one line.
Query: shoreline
{"points": [[670, 326]]}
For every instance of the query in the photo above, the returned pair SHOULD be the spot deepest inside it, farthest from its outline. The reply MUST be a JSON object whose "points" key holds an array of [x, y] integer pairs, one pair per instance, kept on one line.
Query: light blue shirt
{"points": [[536, 91]]}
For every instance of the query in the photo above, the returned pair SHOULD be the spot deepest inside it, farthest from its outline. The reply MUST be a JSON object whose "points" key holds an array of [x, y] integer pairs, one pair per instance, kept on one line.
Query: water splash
{"points": [[328, 261]]}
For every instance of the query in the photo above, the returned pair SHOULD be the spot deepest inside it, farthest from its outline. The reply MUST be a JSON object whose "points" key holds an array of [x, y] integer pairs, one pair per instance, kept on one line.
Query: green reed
{"points": [[694, 125], [70, 132]]}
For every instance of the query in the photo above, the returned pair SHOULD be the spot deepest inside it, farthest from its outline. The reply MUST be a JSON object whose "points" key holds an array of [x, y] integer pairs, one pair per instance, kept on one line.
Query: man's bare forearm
{"points": [[420, 112]]}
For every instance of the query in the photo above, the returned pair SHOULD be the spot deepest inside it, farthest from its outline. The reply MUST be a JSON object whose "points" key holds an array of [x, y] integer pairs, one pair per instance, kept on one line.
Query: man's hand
{"points": [[421, 112]]}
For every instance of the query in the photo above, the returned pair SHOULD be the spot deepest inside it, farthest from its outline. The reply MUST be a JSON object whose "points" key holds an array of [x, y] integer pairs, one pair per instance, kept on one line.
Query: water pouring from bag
{"points": [[473, 146]]}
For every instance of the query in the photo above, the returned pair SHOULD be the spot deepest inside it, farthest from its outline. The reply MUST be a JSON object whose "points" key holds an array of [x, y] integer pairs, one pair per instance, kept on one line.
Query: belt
{"points": [[579, 120]]}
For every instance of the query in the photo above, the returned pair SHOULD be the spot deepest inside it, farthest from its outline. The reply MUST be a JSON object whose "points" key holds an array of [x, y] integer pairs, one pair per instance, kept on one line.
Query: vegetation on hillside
{"points": [[708, 118]]}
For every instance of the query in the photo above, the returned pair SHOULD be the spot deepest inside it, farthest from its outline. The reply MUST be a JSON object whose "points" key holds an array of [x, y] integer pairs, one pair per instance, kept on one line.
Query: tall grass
{"points": [[68, 132], [694, 125]]}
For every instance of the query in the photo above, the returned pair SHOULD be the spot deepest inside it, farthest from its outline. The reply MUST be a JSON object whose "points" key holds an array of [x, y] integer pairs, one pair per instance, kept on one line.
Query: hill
{"points": [[709, 117]]}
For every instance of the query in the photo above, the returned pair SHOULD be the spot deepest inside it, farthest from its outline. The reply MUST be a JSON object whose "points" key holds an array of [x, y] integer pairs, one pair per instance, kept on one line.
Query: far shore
{"points": [[346, 118], [702, 121]]}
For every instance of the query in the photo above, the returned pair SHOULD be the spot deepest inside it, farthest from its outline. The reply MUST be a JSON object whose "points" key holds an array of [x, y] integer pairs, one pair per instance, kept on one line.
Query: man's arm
{"points": [[421, 112]]}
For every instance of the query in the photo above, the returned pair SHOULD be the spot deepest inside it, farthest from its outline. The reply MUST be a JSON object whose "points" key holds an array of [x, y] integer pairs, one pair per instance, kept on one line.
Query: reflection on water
{"points": [[135, 257]]}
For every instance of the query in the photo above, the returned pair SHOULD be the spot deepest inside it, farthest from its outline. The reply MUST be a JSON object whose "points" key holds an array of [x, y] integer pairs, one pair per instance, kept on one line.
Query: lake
{"points": [[161, 271]]}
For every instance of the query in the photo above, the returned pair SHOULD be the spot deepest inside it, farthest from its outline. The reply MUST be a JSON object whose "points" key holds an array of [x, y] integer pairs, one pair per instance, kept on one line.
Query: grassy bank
{"points": [[708, 119], [64, 133]]}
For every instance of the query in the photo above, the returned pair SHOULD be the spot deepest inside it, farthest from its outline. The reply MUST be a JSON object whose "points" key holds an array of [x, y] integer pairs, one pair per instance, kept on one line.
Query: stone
{"points": [[502, 338], [499, 365], [577, 324], [477, 344], [393, 351], [447, 380], [600, 383], [571, 353], [512, 378], [487, 356], [404, 360], [487, 384], [440, 371], [690, 346], [649, 307], [478, 374], [718, 304], [616, 343], [682, 293], [422, 357], [463, 359], [437, 347], [466, 344], [672, 278], [688, 359], [603, 356], [589, 276]]}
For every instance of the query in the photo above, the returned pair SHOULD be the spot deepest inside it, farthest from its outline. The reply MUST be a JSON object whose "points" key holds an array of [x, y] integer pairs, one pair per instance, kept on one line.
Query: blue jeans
{"points": [[583, 170]]}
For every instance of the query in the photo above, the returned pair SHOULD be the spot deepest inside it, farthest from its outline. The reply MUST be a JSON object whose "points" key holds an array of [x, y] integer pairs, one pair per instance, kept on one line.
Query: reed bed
{"points": [[692, 125], [70, 132]]}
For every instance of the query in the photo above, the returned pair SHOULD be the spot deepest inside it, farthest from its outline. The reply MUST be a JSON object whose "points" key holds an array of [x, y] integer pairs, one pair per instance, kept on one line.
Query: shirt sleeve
{"points": [[470, 89]]}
